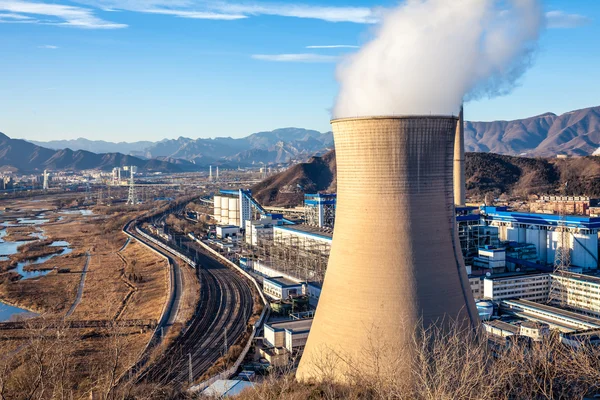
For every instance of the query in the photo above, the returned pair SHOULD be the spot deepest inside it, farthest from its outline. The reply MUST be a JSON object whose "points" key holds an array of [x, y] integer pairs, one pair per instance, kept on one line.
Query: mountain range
{"points": [[573, 133], [27, 157], [278, 146], [485, 172]]}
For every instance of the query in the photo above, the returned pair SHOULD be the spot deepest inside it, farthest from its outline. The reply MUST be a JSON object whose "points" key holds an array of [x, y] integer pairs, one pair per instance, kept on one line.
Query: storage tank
{"points": [[224, 203], [395, 247], [217, 208]]}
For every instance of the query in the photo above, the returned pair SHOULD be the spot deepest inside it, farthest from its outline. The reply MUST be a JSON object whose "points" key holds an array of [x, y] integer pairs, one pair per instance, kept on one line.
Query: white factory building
{"points": [[579, 292], [279, 287], [261, 230], [284, 340], [534, 287]]}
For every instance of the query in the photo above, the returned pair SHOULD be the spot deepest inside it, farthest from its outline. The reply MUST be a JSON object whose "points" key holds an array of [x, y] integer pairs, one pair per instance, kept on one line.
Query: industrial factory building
{"points": [[281, 288], [285, 340], [540, 230], [579, 292], [261, 230], [534, 287], [303, 237], [319, 210]]}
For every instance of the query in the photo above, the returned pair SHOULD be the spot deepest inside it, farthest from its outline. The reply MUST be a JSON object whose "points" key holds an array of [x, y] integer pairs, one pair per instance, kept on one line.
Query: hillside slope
{"points": [[486, 173]]}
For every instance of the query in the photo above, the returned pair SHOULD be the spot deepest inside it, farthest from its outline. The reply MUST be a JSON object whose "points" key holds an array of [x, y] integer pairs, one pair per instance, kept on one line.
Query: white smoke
{"points": [[429, 56]]}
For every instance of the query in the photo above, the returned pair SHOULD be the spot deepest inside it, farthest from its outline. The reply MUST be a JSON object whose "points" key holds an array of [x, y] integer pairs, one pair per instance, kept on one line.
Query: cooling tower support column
{"points": [[460, 181], [395, 258]]}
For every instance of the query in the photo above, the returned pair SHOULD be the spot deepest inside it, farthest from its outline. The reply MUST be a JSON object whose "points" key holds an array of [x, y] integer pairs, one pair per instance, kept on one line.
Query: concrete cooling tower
{"points": [[395, 259]]}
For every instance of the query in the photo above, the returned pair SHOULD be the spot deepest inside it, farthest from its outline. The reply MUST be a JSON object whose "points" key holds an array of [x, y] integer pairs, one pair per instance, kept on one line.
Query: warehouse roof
{"points": [[282, 282]]}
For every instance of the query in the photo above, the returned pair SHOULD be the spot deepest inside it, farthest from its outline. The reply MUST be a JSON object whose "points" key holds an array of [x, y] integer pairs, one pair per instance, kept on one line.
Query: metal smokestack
{"points": [[395, 259], [460, 181]]}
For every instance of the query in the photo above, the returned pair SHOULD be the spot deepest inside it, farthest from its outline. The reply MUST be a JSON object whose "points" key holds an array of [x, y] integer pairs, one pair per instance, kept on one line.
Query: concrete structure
{"points": [[303, 237], [534, 287], [225, 231], [393, 262], [460, 180], [281, 288], [319, 210], [541, 230], [291, 335]]}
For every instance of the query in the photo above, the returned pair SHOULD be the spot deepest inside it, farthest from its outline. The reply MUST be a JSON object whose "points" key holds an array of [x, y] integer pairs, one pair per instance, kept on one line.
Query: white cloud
{"points": [[211, 9], [360, 15], [334, 46], [303, 58], [55, 14], [195, 14], [48, 46], [560, 19]]}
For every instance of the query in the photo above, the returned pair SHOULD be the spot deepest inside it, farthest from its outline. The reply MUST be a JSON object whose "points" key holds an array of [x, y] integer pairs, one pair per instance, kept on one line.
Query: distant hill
{"points": [[280, 146], [486, 173], [28, 157], [95, 146], [573, 133]]}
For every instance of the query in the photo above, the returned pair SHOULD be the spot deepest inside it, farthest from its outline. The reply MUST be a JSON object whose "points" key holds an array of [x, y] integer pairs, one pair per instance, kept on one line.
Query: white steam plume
{"points": [[429, 56]]}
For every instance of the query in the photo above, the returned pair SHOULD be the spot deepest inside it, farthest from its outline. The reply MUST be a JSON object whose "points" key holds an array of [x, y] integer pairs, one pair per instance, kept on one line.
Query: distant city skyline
{"points": [[133, 70]]}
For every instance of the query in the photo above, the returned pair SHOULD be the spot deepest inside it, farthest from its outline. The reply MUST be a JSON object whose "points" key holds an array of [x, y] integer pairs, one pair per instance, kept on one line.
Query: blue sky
{"points": [[153, 69]]}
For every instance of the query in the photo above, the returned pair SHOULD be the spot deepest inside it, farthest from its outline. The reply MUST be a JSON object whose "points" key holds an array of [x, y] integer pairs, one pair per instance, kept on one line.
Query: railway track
{"points": [[221, 316], [222, 313]]}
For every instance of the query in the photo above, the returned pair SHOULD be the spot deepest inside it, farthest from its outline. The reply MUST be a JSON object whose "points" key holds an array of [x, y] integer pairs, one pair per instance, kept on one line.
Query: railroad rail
{"points": [[77, 324]]}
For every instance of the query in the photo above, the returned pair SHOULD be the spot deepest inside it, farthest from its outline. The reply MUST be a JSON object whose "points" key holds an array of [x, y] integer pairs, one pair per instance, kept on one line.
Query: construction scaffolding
{"points": [[301, 259]]}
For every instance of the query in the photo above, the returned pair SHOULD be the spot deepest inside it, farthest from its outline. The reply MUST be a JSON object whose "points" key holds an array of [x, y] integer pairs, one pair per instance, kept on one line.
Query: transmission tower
{"points": [[562, 258], [132, 198]]}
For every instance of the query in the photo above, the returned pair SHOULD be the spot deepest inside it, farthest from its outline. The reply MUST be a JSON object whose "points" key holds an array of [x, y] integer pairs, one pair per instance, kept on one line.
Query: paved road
{"points": [[81, 285]]}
